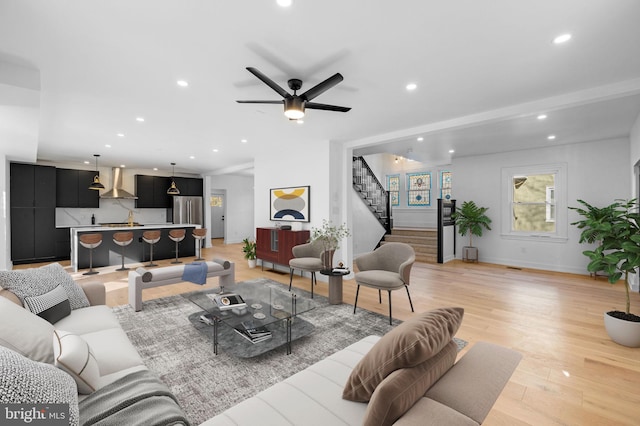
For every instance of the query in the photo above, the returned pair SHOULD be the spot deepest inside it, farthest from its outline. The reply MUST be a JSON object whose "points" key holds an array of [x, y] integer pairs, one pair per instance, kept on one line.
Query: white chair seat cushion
{"points": [[383, 280], [306, 263]]}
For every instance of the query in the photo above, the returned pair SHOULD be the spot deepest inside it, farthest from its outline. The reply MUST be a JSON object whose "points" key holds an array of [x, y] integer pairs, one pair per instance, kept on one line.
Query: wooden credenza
{"points": [[274, 245]]}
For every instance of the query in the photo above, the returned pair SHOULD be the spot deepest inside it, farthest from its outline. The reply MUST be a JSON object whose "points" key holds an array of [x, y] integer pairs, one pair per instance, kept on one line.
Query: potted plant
{"points": [[249, 250], [616, 228], [329, 236], [471, 219]]}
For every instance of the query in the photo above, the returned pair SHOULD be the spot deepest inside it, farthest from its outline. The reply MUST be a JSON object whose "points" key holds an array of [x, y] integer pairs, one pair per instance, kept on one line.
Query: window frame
{"points": [[561, 209]]}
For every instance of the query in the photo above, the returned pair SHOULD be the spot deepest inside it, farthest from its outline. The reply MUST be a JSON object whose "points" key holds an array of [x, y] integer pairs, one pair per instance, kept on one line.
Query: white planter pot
{"points": [[470, 254], [626, 333], [252, 263]]}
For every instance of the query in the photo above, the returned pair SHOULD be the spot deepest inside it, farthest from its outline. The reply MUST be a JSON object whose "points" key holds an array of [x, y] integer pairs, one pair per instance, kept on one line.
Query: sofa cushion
{"points": [[113, 350], [73, 355], [90, 319], [402, 388], [27, 382], [25, 333], [407, 345], [51, 306], [427, 412], [37, 281]]}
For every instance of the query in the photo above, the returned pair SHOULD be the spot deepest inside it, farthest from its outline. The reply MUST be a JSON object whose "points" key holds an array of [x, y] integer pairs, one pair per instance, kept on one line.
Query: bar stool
{"points": [[151, 237], [90, 241], [177, 235], [199, 234], [123, 239]]}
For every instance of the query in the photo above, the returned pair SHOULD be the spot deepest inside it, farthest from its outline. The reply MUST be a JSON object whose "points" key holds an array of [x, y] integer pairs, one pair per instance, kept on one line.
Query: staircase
{"points": [[424, 241], [372, 192]]}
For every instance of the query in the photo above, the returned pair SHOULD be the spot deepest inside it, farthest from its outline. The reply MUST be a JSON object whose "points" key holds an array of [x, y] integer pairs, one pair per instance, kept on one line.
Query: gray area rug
{"points": [[206, 384]]}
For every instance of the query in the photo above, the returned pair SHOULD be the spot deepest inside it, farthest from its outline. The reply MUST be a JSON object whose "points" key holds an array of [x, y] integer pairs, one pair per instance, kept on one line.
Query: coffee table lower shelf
{"points": [[233, 343]]}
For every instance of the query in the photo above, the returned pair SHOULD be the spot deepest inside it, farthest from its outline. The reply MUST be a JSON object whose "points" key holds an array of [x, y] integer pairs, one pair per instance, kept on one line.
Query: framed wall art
{"points": [[290, 204]]}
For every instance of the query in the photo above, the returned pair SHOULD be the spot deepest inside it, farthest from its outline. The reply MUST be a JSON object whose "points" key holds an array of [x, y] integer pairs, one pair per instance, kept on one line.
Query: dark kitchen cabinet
{"points": [[189, 186], [72, 188], [33, 212], [152, 191], [63, 243]]}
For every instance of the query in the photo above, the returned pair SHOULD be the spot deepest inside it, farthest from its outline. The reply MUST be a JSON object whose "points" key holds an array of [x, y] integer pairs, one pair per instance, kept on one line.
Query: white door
{"points": [[217, 215]]}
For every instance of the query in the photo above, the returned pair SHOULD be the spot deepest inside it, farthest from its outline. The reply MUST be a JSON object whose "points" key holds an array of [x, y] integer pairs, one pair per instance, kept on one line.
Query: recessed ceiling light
{"points": [[562, 38], [551, 137], [243, 140], [182, 83], [420, 139], [412, 86], [284, 3], [140, 119], [542, 117], [123, 166], [155, 169], [121, 135], [87, 162], [107, 146], [191, 157], [451, 151], [215, 149]]}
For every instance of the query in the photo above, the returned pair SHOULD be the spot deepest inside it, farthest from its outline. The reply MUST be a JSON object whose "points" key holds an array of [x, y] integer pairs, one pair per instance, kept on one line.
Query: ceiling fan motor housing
{"points": [[295, 84]]}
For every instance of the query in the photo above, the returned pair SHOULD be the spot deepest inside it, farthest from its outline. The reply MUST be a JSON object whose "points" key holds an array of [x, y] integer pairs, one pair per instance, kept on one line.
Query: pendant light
{"points": [[96, 179], [173, 189]]}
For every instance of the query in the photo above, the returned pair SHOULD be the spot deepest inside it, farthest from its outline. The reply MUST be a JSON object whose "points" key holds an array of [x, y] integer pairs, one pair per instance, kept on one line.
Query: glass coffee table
{"points": [[269, 319]]}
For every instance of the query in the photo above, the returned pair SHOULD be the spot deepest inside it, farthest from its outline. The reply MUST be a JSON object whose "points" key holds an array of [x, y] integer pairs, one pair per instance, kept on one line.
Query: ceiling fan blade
{"points": [[314, 105], [320, 88], [266, 80], [260, 102]]}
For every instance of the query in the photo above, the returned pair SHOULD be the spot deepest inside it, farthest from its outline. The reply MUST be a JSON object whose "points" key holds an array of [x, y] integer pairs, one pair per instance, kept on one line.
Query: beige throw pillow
{"points": [[400, 390], [407, 345], [25, 333], [73, 355]]}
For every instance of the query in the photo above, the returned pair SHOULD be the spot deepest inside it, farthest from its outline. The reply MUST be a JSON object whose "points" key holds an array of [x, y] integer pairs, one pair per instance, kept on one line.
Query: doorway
{"points": [[217, 202]]}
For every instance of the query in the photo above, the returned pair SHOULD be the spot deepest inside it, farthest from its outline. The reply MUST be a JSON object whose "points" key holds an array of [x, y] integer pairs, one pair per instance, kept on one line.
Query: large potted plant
{"points": [[249, 250], [329, 236], [616, 228], [471, 219]]}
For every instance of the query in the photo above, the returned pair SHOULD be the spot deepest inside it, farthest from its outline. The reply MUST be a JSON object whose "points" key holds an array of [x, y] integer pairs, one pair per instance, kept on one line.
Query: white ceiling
{"points": [[484, 70]]}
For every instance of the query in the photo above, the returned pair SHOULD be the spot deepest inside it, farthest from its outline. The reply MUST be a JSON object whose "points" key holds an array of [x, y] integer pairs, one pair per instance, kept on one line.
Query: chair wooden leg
{"points": [[389, 306], [290, 277], [410, 302], [356, 302]]}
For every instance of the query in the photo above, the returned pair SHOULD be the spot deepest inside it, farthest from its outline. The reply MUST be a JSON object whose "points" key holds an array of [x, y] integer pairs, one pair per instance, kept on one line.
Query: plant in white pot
{"points": [[249, 250], [329, 235], [616, 228], [471, 219]]}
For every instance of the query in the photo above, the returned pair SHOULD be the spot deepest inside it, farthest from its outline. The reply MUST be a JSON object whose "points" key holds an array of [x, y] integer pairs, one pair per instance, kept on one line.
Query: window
{"points": [[445, 185], [419, 189], [534, 202], [393, 186]]}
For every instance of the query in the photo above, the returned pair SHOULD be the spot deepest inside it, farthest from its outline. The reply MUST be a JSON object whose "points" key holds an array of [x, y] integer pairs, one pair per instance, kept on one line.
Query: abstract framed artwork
{"points": [[419, 189], [290, 204]]}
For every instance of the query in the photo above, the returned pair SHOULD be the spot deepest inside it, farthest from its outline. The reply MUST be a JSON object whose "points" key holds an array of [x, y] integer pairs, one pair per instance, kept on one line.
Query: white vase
{"points": [[252, 263], [626, 333]]}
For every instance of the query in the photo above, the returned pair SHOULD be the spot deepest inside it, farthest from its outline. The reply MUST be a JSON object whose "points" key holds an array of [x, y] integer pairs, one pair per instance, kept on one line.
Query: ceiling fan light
{"points": [[293, 108]]}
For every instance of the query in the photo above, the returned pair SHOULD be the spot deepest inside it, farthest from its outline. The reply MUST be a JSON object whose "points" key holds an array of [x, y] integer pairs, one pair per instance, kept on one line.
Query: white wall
{"points": [[598, 172], [239, 208]]}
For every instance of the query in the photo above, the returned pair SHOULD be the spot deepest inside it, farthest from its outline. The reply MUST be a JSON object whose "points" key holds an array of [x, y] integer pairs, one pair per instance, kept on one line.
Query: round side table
{"points": [[335, 284]]}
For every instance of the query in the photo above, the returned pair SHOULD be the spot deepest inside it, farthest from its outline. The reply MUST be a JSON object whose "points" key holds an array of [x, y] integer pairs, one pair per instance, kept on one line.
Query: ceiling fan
{"points": [[294, 105]]}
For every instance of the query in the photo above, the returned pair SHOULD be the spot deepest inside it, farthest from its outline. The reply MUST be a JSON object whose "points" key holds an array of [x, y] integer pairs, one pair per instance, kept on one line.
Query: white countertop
{"points": [[97, 228]]}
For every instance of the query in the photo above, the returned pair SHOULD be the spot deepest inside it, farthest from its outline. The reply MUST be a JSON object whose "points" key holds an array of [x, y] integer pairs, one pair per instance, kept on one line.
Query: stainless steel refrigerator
{"points": [[188, 210]]}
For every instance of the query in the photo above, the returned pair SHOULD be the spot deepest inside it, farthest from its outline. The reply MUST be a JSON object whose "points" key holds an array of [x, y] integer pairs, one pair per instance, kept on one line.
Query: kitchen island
{"points": [[109, 253]]}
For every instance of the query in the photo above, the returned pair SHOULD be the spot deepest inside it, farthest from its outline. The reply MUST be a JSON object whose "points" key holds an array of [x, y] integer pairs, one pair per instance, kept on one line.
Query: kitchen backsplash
{"points": [[110, 211]]}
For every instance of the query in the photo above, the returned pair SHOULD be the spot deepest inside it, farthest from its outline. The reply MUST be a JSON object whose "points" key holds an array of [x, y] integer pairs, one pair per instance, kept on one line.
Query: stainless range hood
{"points": [[116, 191]]}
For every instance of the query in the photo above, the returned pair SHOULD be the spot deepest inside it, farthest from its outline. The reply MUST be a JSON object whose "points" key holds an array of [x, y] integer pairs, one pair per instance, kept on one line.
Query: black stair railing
{"points": [[372, 192]]}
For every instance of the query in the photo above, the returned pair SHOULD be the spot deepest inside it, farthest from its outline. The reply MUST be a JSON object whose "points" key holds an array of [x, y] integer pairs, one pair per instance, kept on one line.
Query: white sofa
{"points": [[141, 278]]}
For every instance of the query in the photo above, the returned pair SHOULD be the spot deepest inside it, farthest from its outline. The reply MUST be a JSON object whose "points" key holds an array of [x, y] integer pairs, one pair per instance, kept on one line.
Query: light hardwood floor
{"points": [[571, 373]]}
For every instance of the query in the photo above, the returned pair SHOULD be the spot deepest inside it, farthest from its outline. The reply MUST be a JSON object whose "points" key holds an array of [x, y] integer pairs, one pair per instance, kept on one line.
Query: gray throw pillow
{"points": [[29, 382], [38, 281], [52, 306]]}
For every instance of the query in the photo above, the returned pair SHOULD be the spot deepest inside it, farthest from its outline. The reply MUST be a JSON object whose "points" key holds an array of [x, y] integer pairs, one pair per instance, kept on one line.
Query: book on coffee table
{"points": [[229, 301], [253, 333]]}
